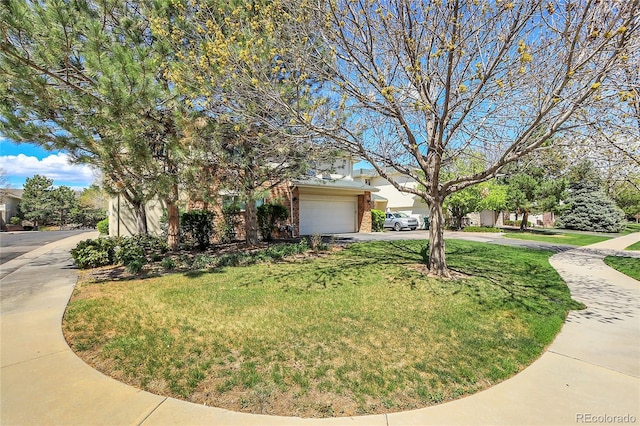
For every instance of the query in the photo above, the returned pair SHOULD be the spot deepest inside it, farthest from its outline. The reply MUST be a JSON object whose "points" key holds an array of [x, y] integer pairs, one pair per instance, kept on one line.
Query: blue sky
{"points": [[20, 161]]}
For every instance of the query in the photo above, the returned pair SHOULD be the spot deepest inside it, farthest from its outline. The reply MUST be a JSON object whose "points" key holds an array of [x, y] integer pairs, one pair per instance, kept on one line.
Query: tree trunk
{"points": [[251, 223], [173, 221], [525, 218], [437, 259]]}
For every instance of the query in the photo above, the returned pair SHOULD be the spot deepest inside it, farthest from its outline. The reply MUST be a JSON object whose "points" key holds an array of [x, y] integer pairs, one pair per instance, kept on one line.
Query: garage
{"points": [[322, 214]]}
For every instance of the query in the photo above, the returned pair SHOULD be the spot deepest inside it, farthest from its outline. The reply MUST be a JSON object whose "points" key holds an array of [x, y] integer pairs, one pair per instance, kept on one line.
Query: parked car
{"points": [[398, 221]]}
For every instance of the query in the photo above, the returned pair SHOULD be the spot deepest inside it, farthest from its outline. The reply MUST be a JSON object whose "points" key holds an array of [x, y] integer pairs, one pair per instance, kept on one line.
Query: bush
{"points": [[103, 227], [316, 244], [516, 223], [168, 263], [591, 210], [229, 224], [198, 224], [481, 229], [268, 216], [377, 220], [94, 253], [15, 221], [136, 249]]}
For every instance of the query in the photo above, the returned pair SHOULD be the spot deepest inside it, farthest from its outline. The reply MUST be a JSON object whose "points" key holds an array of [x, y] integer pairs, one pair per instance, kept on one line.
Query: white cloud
{"points": [[55, 166]]}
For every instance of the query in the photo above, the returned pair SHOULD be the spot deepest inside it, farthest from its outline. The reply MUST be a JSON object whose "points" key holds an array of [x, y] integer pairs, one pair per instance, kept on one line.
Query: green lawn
{"points": [[635, 246], [557, 237], [631, 228], [627, 265], [359, 331]]}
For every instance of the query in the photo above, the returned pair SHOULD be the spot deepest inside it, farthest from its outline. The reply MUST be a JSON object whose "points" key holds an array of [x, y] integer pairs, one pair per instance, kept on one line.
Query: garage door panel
{"points": [[327, 215]]}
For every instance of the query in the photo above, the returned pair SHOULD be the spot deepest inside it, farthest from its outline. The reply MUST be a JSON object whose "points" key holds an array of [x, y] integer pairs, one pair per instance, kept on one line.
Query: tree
{"points": [[535, 184], [591, 210], [627, 197], [521, 196], [90, 208], [465, 201], [268, 217], [63, 202], [419, 83], [88, 77], [494, 197], [37, 203], [246, 144]]}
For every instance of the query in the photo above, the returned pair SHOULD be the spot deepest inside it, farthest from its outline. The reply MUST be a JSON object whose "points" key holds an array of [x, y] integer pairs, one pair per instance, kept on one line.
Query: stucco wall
{"points": [[122, 219]]}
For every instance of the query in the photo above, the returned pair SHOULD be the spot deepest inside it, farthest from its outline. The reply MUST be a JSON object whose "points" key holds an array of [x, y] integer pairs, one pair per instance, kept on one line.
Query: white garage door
{"points": [[327, 215]]}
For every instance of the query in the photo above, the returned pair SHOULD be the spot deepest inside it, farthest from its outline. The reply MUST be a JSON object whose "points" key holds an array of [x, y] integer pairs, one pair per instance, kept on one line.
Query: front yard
{"points": [[557, 237], [358, 331]]}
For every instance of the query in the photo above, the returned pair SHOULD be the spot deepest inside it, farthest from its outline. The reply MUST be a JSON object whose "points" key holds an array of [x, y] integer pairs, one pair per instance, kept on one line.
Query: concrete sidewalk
{"points": [[590, 374]]}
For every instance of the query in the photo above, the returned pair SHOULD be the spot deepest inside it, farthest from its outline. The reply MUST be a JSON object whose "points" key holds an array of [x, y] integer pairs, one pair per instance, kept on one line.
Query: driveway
{"points": [[14, 244]]}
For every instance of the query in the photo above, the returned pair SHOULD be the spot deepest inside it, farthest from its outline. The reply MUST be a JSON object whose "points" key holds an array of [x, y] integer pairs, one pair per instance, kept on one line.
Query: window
{"points": [[234, 200], [367, 182], [229, 201]]}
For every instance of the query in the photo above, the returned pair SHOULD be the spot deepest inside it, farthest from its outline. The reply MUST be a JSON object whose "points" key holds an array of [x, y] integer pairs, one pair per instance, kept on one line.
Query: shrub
{"points": [[268, 217], [15, 221], [198, 224], [228, 225], [94, 253], [591, 210], [168, 263], [316, 244], [103, 227], [138, 247], [516, 223], [377, 220], [481, 229], [135, 266]]}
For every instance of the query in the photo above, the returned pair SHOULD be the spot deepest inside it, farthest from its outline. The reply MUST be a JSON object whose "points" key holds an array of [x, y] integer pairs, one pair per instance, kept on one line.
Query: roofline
{"points": [[334, 184]]}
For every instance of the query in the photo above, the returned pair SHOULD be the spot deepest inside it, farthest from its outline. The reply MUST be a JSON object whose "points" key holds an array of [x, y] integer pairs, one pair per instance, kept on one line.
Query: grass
{"points": [[627, 265], [634, 246], [360, 331], [557, 237], [631, 228]]}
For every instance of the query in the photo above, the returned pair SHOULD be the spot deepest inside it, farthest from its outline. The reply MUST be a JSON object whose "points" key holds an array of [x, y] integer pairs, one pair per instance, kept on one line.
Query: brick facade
{"points": [[290, 198], [364, 212]]}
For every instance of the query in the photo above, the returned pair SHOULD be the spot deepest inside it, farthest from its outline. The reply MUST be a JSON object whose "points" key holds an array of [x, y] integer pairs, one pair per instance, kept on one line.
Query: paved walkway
{"points": [[590, 374]]}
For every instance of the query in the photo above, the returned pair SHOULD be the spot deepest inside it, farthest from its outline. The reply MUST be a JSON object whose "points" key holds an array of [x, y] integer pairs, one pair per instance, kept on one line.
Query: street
{"points": [[14, 244]]}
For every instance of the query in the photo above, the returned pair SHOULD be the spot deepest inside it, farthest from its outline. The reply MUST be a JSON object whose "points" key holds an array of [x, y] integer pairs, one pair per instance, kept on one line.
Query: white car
{"points": [[399, 221]]}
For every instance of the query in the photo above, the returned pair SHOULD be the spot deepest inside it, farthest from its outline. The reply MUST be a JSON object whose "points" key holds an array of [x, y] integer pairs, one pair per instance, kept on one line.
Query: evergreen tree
{"points": [[88, 78], [589, 209], [37, 203], [63, 202]]}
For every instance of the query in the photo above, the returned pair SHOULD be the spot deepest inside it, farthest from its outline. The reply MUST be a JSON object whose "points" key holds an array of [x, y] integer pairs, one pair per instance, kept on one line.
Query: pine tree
{"points": [[591, 210], [37, 203], [88, 78]]}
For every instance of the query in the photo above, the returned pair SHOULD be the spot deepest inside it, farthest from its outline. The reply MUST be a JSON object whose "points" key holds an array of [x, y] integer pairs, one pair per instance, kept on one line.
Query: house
{"points": [[389, 198], [9, 201], [328, 201], [122, 218]]}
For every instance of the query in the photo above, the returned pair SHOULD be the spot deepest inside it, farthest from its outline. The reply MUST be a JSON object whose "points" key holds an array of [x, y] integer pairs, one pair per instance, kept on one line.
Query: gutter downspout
{"points": [[118, 215], [293, 228]]}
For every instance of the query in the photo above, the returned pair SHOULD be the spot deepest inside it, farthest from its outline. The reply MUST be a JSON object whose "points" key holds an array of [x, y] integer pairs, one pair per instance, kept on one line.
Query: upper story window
{"points": [[367, 182]]}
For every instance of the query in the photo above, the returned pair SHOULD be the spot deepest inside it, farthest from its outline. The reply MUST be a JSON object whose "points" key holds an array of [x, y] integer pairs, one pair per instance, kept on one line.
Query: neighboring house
{"points": [[389, 198], [484, 218], [9, 201], [329, 201]]}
